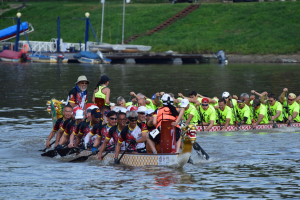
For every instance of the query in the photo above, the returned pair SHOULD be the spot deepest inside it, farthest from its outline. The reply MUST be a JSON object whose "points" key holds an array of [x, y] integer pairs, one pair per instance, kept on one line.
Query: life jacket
{"points": [[99, 94], [164, 114]]}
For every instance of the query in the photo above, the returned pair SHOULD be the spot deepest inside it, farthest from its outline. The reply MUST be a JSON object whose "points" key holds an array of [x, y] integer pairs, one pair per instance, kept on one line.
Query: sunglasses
{"points": [[132, 119], [291, 99], [205, 104], [84, 83], [150, 115], [113, 118], [271, 101], [141, 113], [240, 101]]}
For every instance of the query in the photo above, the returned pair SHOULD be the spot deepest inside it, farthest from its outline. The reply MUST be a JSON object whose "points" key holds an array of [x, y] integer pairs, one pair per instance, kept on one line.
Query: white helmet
{"points": [[167, 99]]}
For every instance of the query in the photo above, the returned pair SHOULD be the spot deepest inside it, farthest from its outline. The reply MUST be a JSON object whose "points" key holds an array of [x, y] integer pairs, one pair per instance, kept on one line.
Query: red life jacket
{"points": [[164, 114]]}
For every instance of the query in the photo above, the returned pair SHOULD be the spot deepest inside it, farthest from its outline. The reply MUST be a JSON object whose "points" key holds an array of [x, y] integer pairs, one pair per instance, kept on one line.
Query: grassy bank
{"points": [[243, 28]]}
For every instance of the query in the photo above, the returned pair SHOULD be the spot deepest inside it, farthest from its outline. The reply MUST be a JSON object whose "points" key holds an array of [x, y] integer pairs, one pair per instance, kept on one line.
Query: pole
{"points": [[18, 31], [103, 1], [123, 22], [58, 35], [86, 30]]}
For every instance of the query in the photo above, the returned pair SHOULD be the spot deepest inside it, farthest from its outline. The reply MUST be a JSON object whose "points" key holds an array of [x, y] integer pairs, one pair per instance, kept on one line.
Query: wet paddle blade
{"points": [[51, 153], [197, 147], [63, 152], [80, 159]]}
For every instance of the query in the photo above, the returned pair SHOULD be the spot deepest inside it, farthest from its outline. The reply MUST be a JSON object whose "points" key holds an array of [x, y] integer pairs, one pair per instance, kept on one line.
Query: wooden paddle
{"points": [[253, 120], [236, 122], [123, 153], [51, 153], [46, 147], [287, 103], [197, 147], [274, 124], [84, 158]]}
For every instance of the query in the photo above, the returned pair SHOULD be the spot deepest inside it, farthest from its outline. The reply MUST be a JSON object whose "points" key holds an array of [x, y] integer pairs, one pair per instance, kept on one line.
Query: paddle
{"points": [[274, 124], [197, 147], [219, 119], [201, 120], [84, 158], [236, 122], [123, 153], [287, 103], [253, 120], [64, 151], [51, 153], [46, 147]]}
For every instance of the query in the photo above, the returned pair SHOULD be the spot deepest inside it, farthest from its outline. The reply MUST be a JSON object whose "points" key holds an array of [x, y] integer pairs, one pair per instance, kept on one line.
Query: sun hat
{"points": [[141, 109], [79, 114], [75, 109], [89, 109], [184, 103], [82, 78], [149, 111]]}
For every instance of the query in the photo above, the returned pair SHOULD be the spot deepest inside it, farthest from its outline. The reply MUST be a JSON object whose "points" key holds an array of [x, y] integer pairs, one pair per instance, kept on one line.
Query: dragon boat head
{"points": [[189, 132]]}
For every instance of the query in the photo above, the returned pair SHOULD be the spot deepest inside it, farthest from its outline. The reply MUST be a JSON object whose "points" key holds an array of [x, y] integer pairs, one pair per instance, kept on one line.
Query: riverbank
{"points": [[238, 28]]}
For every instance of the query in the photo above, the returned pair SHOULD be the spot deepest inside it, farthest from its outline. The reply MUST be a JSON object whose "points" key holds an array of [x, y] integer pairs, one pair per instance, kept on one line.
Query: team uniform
{"points": [[59, 123], [224, 114], [243, 113], [114, 135], [150, 128], [77, 97], [191, 110], [128, 134], [208, 115], [292, 108], [85, 128], [277, 106], [263, 111], [150, 105], [101, 133]]}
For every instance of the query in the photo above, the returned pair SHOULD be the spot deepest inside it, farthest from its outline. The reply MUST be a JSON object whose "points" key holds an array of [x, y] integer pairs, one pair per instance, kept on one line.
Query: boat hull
{"points": [[247, 127], [89, 60]]}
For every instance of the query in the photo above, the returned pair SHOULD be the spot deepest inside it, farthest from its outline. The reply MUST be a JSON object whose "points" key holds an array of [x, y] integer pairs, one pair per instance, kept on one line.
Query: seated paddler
{"points": [[134, 135], [166, 113]]}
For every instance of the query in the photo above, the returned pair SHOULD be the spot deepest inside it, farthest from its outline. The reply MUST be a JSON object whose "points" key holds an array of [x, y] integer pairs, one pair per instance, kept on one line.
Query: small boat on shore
{"points": [[125, 48], [91, 58], [40, 58], [13, 56], [11, 32]]}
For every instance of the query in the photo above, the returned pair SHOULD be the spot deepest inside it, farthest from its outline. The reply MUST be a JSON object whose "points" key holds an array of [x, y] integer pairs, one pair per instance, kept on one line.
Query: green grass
{"points": [[243, 28]]}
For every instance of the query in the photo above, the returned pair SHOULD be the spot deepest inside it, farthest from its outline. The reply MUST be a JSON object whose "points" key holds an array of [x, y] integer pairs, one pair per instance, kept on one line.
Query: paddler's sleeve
{"points": [[123, 135], [144, 128], [72, 95], [56, 126]]}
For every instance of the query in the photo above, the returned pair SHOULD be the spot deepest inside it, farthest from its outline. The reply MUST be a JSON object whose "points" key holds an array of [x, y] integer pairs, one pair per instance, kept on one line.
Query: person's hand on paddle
{"points": [[162, 93], [132, 94], [94, 150], [133, 142], [285, 89], [116, 161], [254, 125], [253, 91], [48, 144], [235, 97], [174, 124], [273, 118], [71, 145], [157, 94], [264, 93], [58, 147]]}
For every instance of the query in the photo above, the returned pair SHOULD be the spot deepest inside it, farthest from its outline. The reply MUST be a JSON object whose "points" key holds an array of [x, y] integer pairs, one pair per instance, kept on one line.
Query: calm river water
{"points": [[256, 165]]}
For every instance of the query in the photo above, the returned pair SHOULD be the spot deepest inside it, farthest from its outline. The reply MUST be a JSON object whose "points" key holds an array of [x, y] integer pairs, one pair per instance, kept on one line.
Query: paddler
{"points": [[102, 91], [166, 113], [207, 114], [149, 120], [88, 112], [122, 103], [260, 113], [224, 114], [243, 111], [134, 134], [101, 132], [143, 100], [192, 98], [67, 113], [275, 107], [114, 133], [71, 127], [293, 114], [78, 94], [191, 114], [86, 127], [141, 114]]}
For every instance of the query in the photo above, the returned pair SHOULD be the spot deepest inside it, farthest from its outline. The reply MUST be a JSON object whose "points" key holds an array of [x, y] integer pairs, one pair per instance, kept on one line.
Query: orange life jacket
{"points": [[164, 114]]}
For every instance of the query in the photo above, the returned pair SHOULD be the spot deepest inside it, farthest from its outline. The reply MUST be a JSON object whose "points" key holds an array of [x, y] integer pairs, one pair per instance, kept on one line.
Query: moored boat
{"points": [[13, 56]]}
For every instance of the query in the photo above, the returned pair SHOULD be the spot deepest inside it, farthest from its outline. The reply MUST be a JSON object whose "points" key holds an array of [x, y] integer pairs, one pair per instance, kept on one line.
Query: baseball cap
{"points": [[89, 109], [184, 103], [104, 79], [225, 94], [82, 78], [79, 114], [292, 95], [149, 111], [75, 109], [96, 113], [205, 100], [123, 110], [142, 109]]}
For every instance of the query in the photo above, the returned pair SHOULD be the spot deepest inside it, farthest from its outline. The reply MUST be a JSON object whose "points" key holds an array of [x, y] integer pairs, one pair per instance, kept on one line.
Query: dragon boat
{"points": [[166, 159]]}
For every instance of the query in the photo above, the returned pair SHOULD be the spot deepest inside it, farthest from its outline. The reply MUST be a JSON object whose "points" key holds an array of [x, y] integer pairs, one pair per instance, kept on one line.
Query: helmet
{"points": [[167, 99], [225, 94]]}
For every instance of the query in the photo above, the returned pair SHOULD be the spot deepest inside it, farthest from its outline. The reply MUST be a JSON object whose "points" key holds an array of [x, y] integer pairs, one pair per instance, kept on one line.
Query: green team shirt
{"points": [[244, 112], [226, 113], [235, 105], [192, 110], [274, 108], [150, 105], [209, 114], [214, 104], [128, 104], [292, 108], [263, 111]]}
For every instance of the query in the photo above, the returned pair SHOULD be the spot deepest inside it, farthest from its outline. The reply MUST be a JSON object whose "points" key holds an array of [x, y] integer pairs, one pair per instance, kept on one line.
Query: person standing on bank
{"points": [[78, 94], [102, 91]]}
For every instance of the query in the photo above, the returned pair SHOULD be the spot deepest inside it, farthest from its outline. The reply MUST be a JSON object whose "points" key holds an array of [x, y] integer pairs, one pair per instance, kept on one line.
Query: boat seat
{"points": [[100, 102]]}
